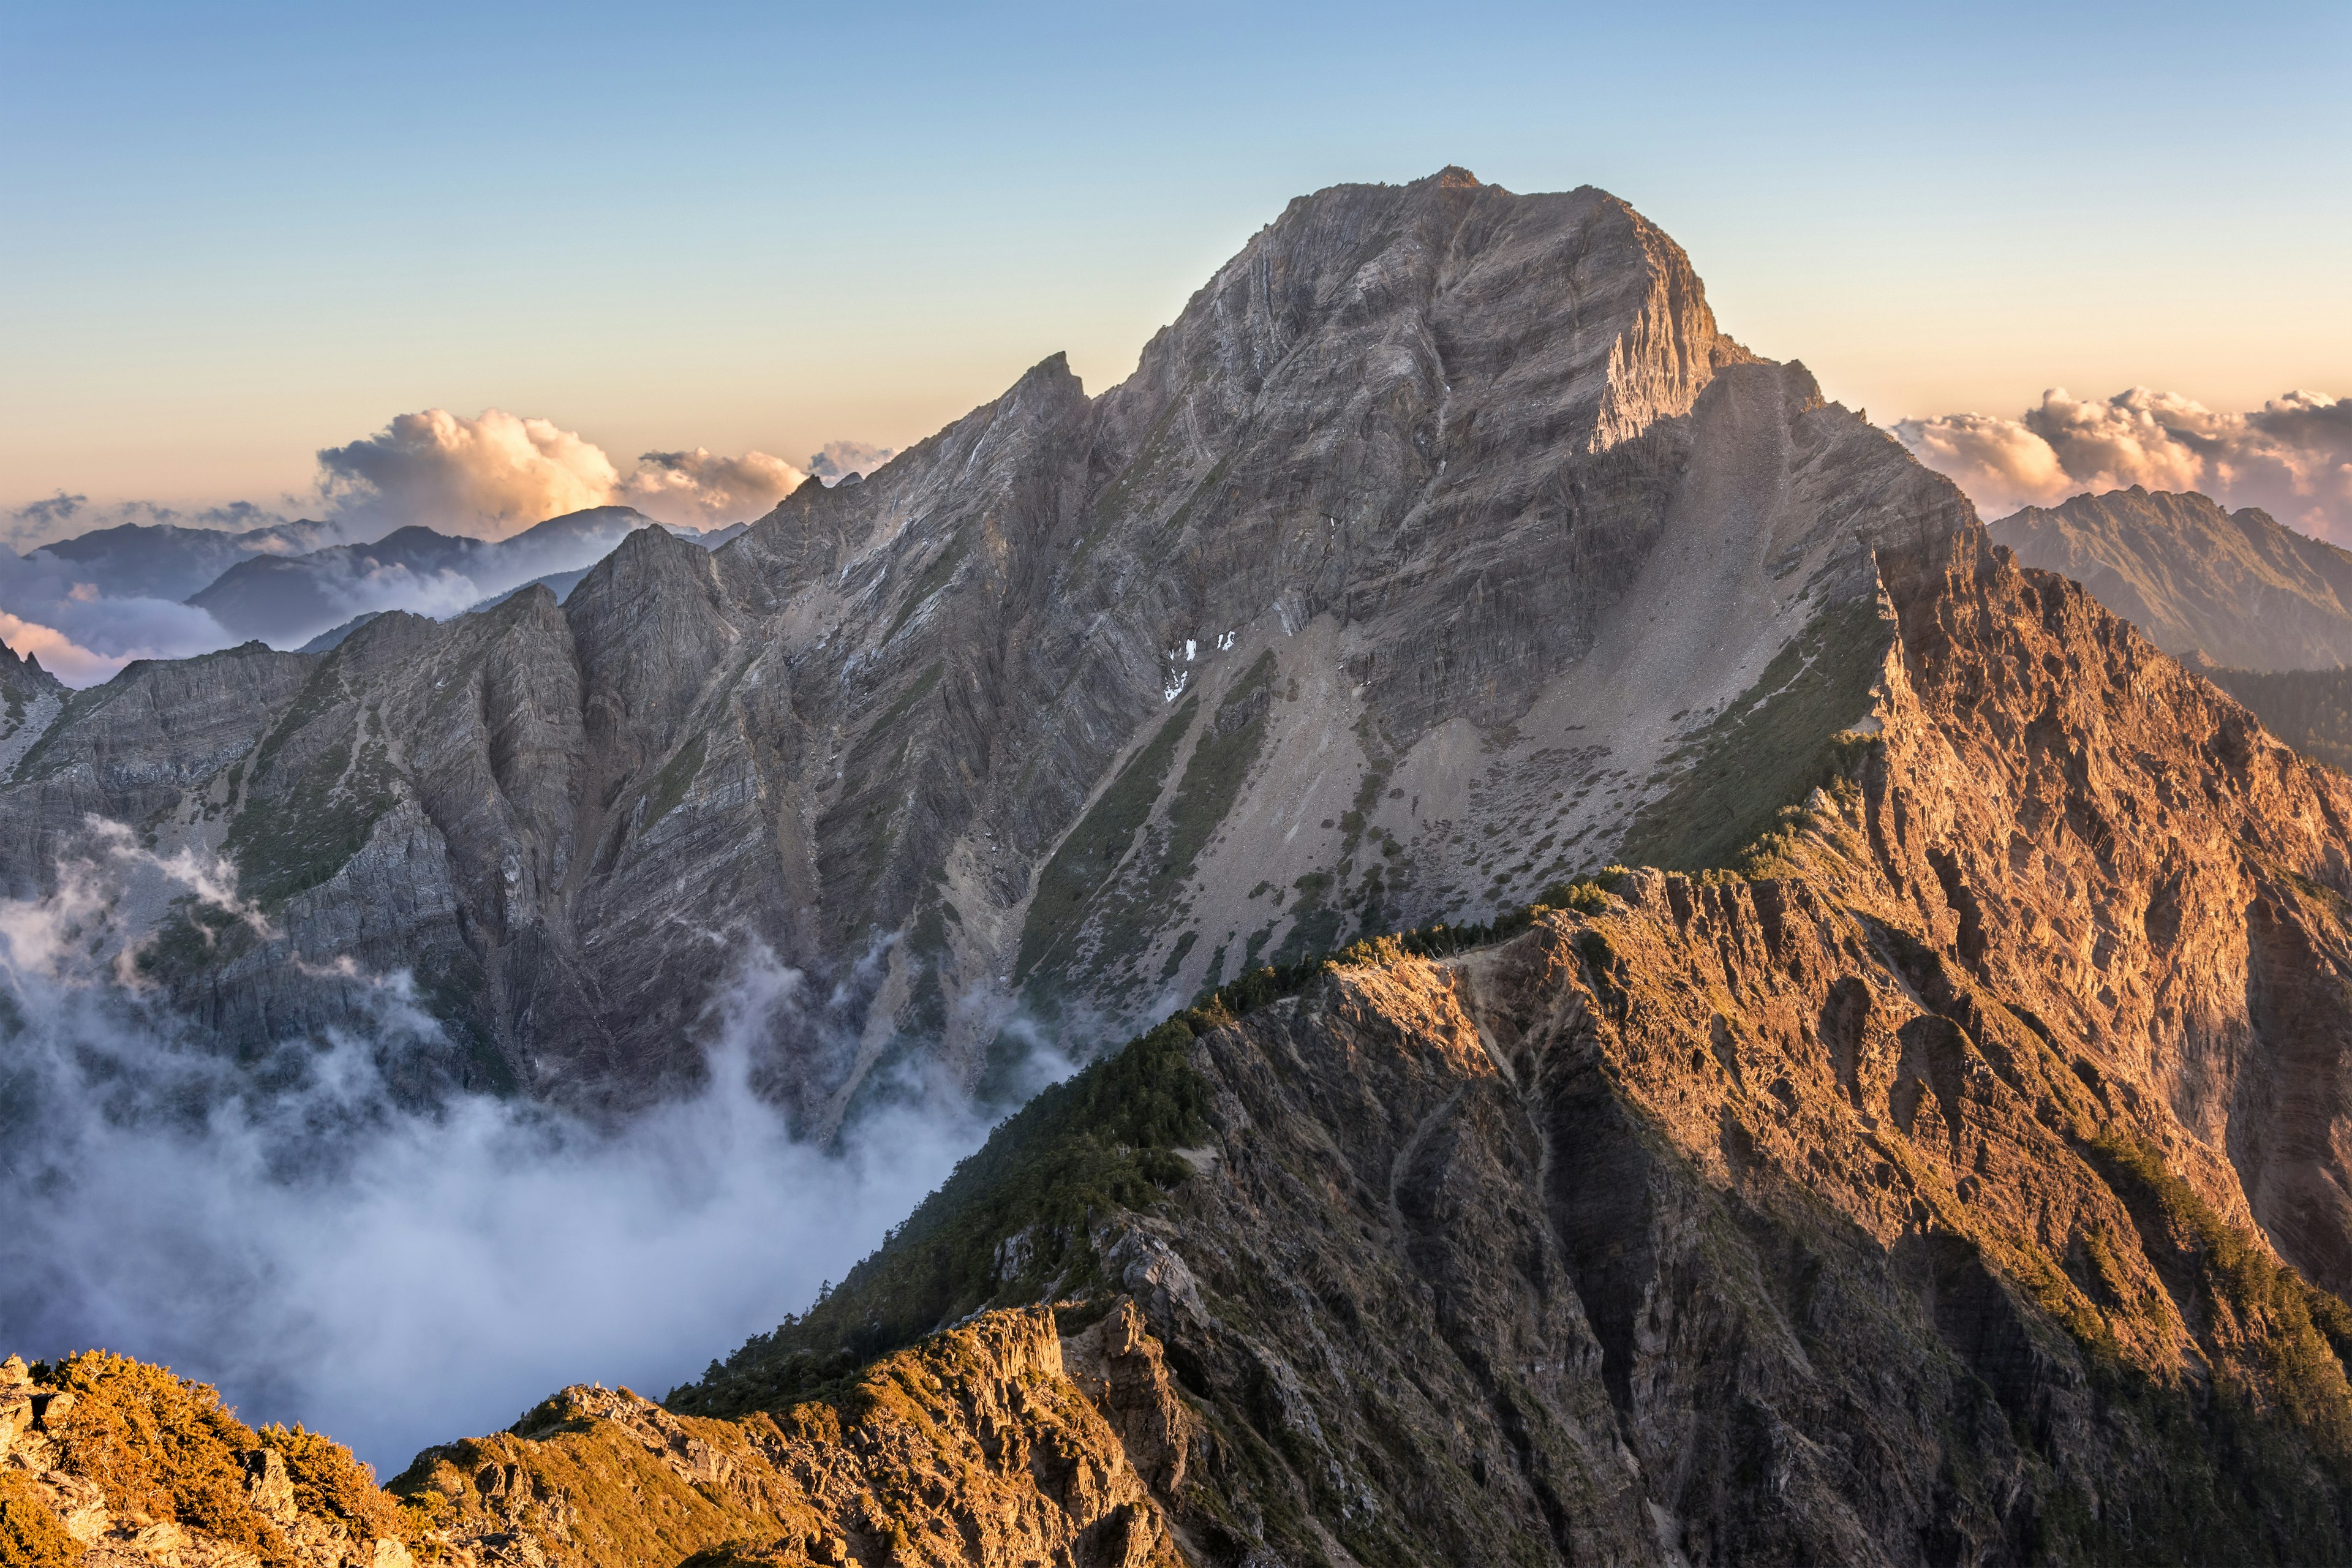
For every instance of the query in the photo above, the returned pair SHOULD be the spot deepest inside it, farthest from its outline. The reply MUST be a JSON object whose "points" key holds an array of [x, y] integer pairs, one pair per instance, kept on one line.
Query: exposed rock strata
{"points": [[1435, 541], [1960, 1182], [1919, 1196]]}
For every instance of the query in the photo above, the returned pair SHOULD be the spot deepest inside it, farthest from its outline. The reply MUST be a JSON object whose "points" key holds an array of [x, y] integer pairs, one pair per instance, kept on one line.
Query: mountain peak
{"points": [[2241, 586]]}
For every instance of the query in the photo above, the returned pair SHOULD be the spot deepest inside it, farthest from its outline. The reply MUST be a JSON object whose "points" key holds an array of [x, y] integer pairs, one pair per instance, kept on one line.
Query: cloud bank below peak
{"points": [[2292, 458], [498, 473]]}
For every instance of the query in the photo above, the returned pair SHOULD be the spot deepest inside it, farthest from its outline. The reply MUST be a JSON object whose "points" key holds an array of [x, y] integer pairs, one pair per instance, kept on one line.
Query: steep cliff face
{"points": [[2241, 588], [1958, 1181], [1926, 1193], [1442, 535], [30, 699]]}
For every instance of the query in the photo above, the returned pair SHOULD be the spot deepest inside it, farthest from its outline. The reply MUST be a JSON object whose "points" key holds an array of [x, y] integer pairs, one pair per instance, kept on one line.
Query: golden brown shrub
{"points": [[30, 1535]]}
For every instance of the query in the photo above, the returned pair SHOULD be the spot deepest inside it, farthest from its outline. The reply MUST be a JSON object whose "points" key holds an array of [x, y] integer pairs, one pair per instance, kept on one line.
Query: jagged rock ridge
{"points": [[1441, 535], [1959, 1182], [1918, 1196]]}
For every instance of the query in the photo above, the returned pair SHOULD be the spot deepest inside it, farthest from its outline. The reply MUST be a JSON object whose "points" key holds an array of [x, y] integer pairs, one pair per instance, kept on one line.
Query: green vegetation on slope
{"points": [[1127, 914], [2301, 1334], [1099, 1141], [1090, 856], [304, 817], [1785, 736]]}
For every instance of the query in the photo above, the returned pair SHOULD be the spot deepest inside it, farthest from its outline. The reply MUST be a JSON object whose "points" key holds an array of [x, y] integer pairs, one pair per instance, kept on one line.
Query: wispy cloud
{"points": [[60, 516], [83, 637], [2292, 458], [839, 459], [324, 1249], [489, 476], [702, 490]]}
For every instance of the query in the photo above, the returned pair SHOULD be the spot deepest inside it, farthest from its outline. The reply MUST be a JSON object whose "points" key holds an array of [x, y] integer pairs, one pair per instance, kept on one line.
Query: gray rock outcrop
{"points": [[1444, 546]]}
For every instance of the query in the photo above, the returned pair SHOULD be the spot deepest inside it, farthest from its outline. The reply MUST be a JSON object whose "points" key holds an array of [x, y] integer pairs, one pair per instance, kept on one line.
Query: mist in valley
{"points": [[283, 1228]]}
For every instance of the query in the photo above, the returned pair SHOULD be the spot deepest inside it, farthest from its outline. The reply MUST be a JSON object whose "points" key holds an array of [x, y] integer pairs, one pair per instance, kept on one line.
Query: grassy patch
{"points": [[668, 787], [1769, 749], [1090, 856], [1127, 913], [307, 830], [2298, 1335], [935, 577], [1099, 1142]]}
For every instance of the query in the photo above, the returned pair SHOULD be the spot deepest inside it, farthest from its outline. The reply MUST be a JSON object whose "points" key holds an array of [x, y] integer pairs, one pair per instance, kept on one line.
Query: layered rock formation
{"points": [[1429, 556], [2241, 587], [1961, 1179], [30, 701], [1924, 1193]]}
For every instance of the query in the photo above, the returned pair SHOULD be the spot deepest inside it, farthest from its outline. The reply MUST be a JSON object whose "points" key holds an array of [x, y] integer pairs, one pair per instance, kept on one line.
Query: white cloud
{"points": [[292, 1232], [62, 516], [492, 475], [2292, 458], [702, 490], [839, 459], [83, 637]]}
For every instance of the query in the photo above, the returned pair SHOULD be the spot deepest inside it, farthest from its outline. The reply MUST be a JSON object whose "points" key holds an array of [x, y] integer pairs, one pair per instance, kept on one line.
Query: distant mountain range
{"points": [[299, 583], [162, 560], [2241, 588]]}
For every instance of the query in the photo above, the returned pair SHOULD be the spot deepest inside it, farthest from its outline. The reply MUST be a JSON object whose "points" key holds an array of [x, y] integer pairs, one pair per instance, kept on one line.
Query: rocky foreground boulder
{"points": [[1960, 1179], [109, 1463]]}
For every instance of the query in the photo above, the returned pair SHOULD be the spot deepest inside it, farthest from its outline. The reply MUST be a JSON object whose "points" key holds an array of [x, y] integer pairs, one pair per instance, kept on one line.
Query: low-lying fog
{"points": [[394, 1278]]}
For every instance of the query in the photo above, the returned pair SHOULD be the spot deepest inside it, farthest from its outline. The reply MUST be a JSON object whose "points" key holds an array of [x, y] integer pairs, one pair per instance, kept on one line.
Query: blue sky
{"points": [[235, 234]]}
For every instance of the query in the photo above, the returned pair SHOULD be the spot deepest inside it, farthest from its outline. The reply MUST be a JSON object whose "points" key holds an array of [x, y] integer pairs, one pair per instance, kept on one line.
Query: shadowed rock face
{"points": [[1441, 545], [1961, 1181], [1918, 1196], [2241, 587]]}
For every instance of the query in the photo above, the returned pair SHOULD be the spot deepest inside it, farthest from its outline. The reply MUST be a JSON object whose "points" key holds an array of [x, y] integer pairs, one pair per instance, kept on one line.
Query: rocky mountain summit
{"points": [[1936, 1151], [1958, 1178], [1442, 547], [2241, 587], [1960, 1181]]}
